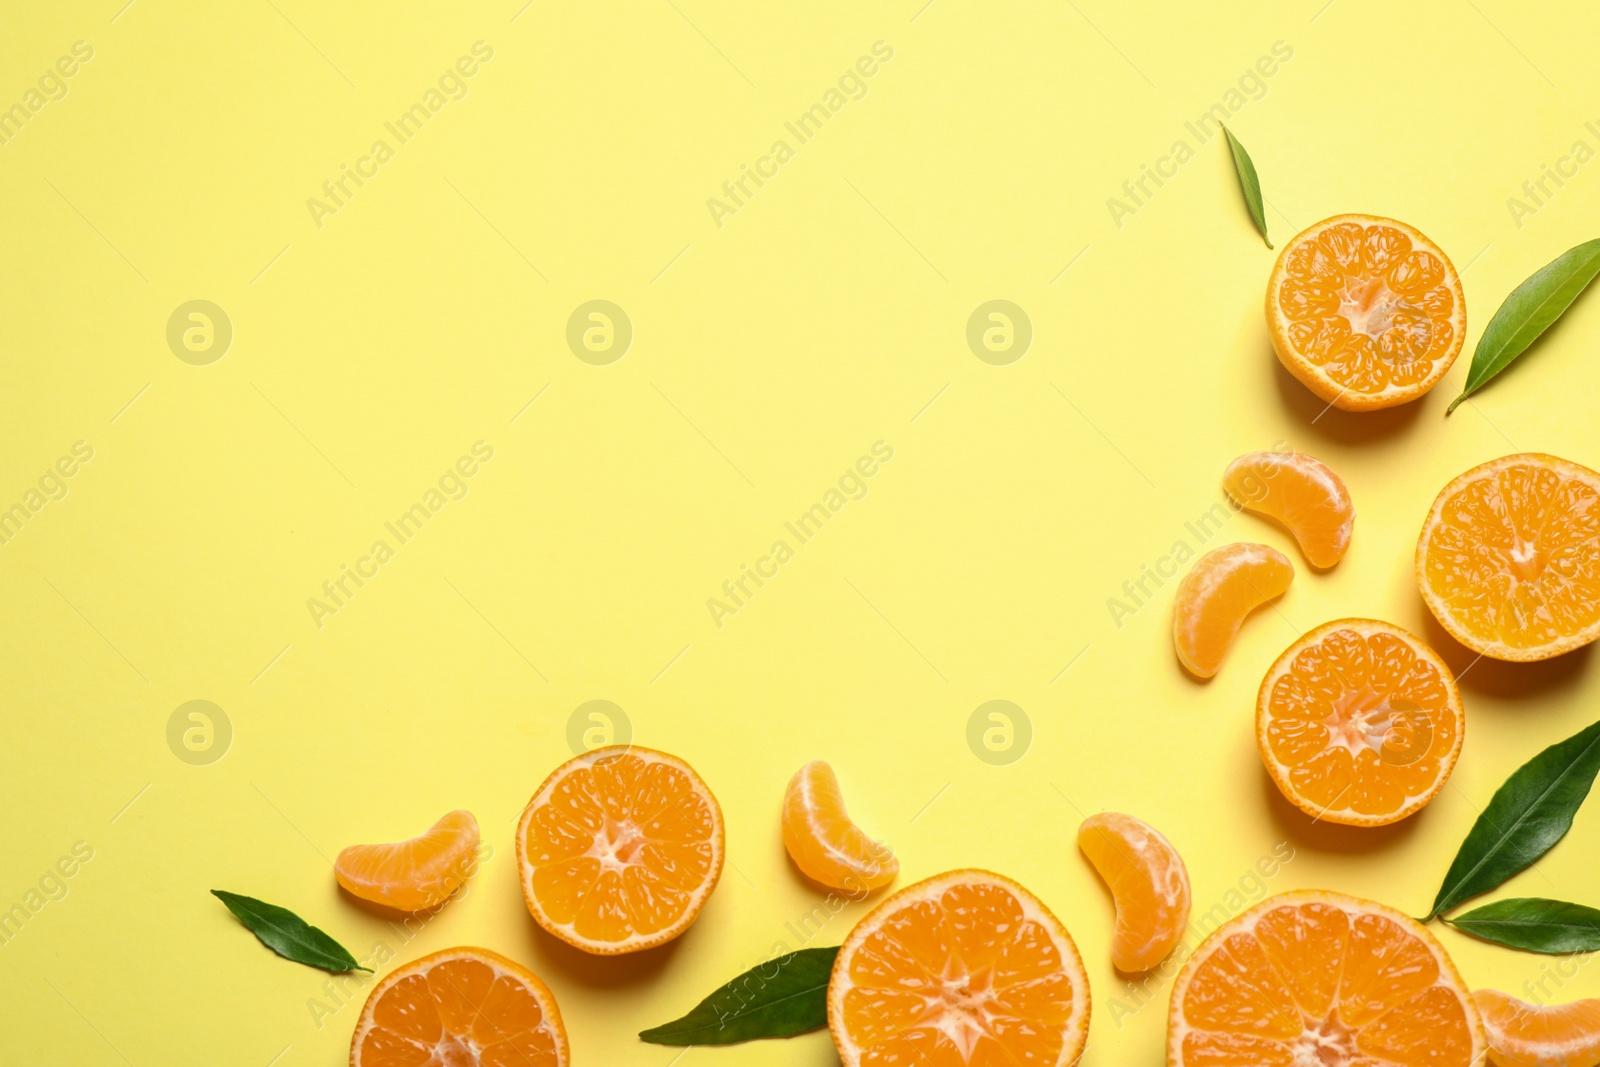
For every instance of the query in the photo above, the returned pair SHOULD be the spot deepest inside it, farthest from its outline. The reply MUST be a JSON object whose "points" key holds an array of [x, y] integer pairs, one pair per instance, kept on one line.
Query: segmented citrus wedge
{"points": [[1148, 882], [822, 840], [1223, 586], [1535, 1035], [417, 874], [1509, 557], [1359, 722], [620, 849], [1365, 311], [465, 1007], [964, 968], [1300, 492], [1320, 979]]}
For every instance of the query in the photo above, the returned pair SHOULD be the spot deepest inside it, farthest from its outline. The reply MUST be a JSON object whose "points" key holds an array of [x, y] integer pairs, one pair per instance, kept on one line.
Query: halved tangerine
{"points": [[964, 968], [1365, 311], [1359, 722], [1540, 1035], [1509, 557], [1148, 882], [465, 1007], [417, 874], [822, 840], [1320, 979], [1303, 494], [619, 849], [1222, 587]]}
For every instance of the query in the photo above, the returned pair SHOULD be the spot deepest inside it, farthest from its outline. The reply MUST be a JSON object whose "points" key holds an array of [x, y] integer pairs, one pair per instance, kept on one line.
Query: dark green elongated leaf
{"points": [[1529, 311], [1535, 924], [288, 935], [1526, 815], [1249, 184], [785, 996]]}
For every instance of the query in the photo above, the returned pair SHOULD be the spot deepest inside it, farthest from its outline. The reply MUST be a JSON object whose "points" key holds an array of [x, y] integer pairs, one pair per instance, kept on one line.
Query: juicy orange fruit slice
{"points": [[417, 874], [1300, 492], [1509, 557], [1223, 586], [619, 849], [464, 1007], [1359, 722], [1533, 1035], [1148, 882], [822, 840], [1319, 978], [1365, 311], [964, 968]]}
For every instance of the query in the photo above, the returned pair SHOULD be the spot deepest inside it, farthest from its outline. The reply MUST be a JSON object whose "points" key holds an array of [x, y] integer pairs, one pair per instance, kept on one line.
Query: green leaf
{"points": [[1529, 311], [1249, 184], [1535, 924], [785, 996], [288, 935], [1525, 817]]}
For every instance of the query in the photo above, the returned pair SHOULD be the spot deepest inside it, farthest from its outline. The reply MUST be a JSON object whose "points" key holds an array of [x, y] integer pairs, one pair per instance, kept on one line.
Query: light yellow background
{"points": [[769, 353]]}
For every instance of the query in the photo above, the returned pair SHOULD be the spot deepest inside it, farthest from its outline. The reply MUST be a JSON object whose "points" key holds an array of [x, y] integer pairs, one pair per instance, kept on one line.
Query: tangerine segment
{"points": [[1300, 492], [1365, 311], [1359, 722], [1148, 882], [417, 874], [1509, 557], [1223, 586], [822, 840], [1538, 1035], [966, 967], [464, 1007], [619, 849], [1319, 978]]}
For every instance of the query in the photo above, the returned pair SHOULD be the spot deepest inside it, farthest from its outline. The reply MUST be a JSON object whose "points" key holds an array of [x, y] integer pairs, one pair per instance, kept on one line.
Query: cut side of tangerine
{"points": [[1365, 311], [822, 840], [1359, 722], [1222, 587], [1509, 557], [619, 849], [1148, 882], [462, 1007], [417, 874], [1300, 492], [1320, 979], [964, 968], [1540, 1035]]}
